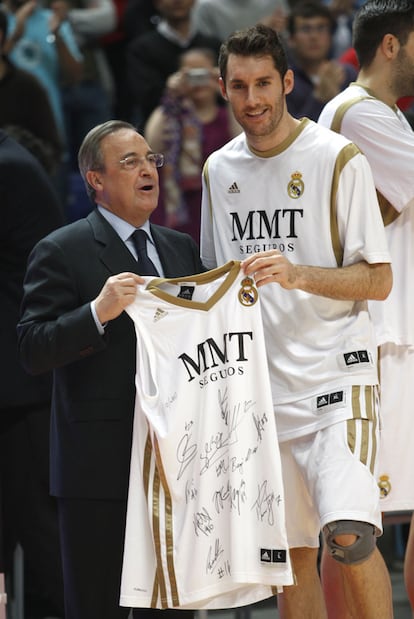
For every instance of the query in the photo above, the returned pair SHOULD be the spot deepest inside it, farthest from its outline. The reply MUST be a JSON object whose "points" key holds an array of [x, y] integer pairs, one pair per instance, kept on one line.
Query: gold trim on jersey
{"points": [[346, 154], [276, 150], [156, 511], [388, 211], [342, 109], [161, 517], [232, 268], [206, 176], [169, 538]]}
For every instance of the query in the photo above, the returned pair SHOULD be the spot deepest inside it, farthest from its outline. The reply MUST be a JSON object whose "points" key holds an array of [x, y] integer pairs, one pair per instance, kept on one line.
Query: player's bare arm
{"points": [[118, 292], [357, 282]]}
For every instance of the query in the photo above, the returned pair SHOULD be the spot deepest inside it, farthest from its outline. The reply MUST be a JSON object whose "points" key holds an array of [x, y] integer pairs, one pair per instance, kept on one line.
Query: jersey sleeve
{"points": [[360, 224], [371, 122]]}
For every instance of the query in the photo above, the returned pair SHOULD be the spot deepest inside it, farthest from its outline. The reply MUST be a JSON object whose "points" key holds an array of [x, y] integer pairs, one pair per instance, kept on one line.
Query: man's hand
{"points": [[271, 267], [60, 10], [21, 16], [331, 76], [118, 292]]}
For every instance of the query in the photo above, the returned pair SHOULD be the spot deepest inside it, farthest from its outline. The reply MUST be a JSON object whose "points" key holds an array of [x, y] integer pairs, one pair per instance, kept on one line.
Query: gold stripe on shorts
{"points": [[362, 428]]}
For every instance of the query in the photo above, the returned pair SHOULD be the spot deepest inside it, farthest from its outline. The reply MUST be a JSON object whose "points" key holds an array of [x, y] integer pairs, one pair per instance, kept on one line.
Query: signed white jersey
{"points": [[205, 523], [313, 199]]}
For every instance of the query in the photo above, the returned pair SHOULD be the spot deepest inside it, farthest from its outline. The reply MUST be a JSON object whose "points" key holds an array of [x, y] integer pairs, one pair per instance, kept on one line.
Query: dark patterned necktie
{"points": [[145, 265]]}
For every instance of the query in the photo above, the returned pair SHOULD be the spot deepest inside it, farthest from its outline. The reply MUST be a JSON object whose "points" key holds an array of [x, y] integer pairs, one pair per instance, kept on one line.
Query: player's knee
{"points": [[360, 534]]}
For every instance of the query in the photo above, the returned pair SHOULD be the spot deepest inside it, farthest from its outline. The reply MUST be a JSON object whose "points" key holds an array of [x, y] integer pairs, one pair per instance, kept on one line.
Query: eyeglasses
{"points": [[319, 29], [132, 162]]}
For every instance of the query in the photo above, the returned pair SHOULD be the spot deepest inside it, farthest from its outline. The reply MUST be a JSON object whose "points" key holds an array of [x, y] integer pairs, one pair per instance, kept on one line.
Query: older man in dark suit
{"points": [[79, 281]]}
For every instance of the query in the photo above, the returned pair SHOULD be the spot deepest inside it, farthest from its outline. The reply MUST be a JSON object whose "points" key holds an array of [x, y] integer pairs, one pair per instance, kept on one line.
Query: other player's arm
{"points": [[358, 281]]}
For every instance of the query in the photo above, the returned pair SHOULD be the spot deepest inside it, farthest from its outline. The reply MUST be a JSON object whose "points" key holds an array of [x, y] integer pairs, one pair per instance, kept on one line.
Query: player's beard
{"points": [[269, 126], [403, 78]]}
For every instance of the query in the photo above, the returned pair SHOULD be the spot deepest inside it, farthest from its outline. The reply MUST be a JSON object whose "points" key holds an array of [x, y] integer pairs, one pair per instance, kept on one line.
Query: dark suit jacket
{"points": [[94, 390], [29, 210]]}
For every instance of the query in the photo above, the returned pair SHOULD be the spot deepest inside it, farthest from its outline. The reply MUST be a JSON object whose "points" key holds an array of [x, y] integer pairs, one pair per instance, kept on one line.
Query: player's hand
{"points": [[271, 267], [118, 292]]}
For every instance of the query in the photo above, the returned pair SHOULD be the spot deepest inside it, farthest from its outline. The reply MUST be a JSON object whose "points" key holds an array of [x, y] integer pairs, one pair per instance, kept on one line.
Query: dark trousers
{"points": [[92, 541], [28, 514]]}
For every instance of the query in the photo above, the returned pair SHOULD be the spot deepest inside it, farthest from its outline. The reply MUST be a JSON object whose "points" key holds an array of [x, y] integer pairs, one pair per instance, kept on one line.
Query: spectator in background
{"points": [[41, 42], [90, 100], [343, 12], [140, 16], [33, 144], [188, 126], [29, 209], [318, 77], [114, 47], [152, 57], [218, 18], [24, 103]]}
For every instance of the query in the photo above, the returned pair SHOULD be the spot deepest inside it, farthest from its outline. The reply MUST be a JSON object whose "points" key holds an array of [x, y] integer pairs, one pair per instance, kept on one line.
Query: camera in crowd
{"points": [[198, 77]]}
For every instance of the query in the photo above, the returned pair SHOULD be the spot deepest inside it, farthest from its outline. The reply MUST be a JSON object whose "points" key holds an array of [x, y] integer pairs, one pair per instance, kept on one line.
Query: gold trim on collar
{"points": [[303, 123], [232, 268]]}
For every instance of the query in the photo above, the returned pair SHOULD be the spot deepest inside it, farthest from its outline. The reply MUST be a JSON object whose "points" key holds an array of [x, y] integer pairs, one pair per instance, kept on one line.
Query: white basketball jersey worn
{"points": [[205, 520], [367, 121], [387, 140], [312, 198]]}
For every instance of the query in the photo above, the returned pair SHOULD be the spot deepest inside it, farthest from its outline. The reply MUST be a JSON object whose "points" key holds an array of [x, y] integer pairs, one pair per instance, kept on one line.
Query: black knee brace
{"points": [[357, 552]]}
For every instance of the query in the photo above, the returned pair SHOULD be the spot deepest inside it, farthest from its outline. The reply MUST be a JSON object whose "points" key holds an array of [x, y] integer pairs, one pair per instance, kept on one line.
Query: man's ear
{"points": [[94, 179], [390, 46], [223, 88], [288, 81]]}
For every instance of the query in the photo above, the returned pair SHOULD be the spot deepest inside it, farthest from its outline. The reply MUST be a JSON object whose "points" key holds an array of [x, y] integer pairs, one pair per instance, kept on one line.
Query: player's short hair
{"points": [[256, 41], [374, 20]]}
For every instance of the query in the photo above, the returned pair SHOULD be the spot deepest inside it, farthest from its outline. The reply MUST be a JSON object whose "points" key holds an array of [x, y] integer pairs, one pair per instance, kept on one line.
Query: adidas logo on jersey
{"points": [[330, 398], [159, 313], [358, 356], [271, 555], [233, 188]]}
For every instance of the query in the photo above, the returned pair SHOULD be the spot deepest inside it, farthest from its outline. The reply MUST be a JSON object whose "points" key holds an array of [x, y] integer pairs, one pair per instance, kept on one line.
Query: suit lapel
{"points": [[173, 256], [174, 251], [113, 252]]}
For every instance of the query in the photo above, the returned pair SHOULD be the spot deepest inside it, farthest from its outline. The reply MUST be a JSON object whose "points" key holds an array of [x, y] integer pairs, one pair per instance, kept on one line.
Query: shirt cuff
{"points": [[99, 326]]}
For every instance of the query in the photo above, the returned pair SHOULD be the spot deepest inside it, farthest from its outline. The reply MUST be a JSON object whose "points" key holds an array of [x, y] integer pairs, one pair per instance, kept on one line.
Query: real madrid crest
{"points": [[384, 485], [295, 186], [248, 294]]}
